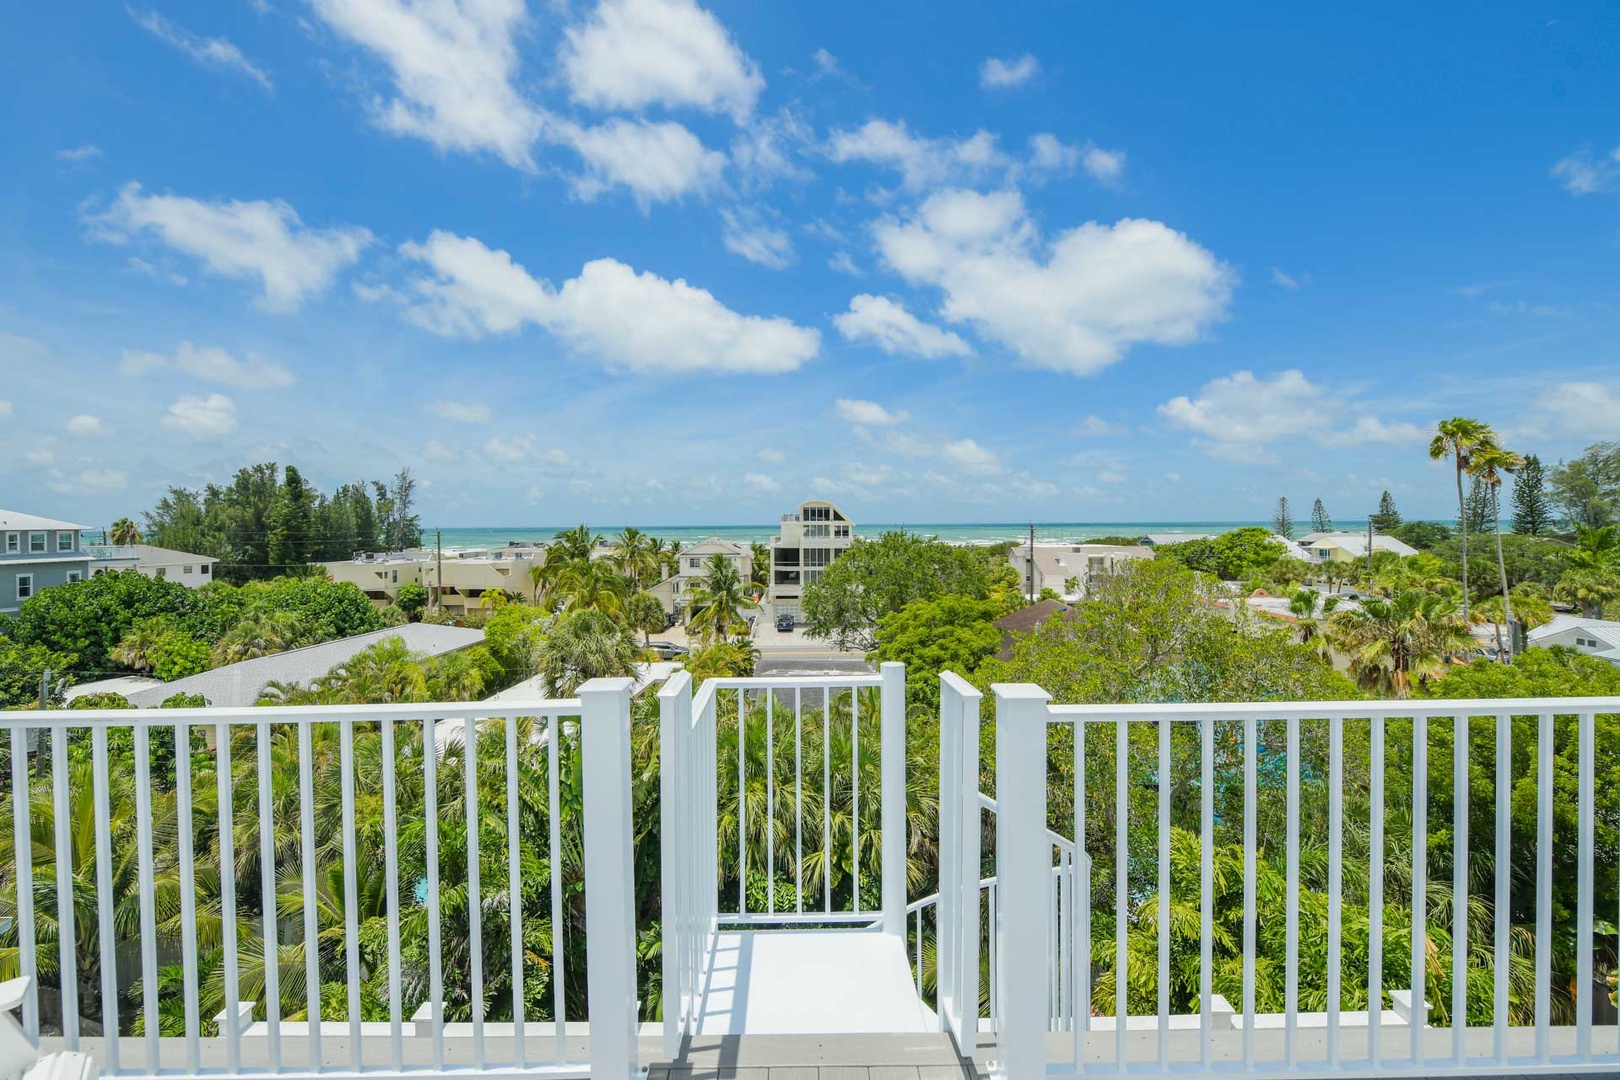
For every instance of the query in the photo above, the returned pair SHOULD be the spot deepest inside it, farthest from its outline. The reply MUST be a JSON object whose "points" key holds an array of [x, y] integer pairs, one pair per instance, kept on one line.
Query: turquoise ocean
{"points": [[462, 539]]}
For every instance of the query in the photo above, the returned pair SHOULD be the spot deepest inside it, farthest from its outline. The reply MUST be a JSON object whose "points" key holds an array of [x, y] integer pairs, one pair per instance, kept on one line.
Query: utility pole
{"points": [[1369, 550], [1029, 563], [44, 687], [438, 583]]}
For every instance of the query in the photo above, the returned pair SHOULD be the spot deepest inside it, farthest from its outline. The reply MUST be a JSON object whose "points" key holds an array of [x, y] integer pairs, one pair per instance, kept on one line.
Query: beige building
{"points": [[808, 543], [692, 566], [1346, 547], [1067, 569], [457, 583]]}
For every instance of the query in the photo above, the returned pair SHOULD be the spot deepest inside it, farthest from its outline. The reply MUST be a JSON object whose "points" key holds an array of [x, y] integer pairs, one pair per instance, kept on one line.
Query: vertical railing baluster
{"points": [[1291, 902], [514, 889], [309, 873], [396, 1004], [475, 903], [430, 812], [1584, 844], [826, 795], [108, 958], [855, 797], [798, 795], [186, 836], [225, 785], [770, 802], [267, 902], [1544, 836], [1206, 891], [22, 840], [143, 850], [742, 803], [1122, 832], [67, 972], [559, 963], [1250, 734], [1335, 882], [1420, 879], [351, 887], [1375, 891], [1083, 866], [1459, 886], [1164, 893], [1503, 899]]}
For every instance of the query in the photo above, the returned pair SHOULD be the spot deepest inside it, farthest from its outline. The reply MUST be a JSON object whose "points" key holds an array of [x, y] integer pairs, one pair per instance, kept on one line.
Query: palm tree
{"points": [[1309, 608], [124, 532], [1530, 606], [592, 585], [1491, 464], [1459, 438], [138, 647], [1391, 641], [262, 635], [760, 576], [587, 644], [633, 555], [1591, 575], [717, 600]]}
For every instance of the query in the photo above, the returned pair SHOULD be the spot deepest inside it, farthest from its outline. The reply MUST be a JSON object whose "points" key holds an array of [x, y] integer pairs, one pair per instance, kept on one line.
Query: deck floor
{"points": [[811, 982]]}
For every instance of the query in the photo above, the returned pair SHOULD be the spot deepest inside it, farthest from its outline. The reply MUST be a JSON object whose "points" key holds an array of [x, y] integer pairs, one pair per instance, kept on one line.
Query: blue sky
{"points": [[650, 261]]}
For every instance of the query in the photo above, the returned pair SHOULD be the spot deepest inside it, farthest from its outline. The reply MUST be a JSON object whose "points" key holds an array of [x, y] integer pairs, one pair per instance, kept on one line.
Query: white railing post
{"points": [[957, 927], [672, 767], [896, 833], [1023, 871], [610, 921]]}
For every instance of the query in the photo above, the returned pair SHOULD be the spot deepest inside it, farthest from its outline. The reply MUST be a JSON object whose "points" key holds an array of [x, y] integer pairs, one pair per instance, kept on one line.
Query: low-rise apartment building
{"points": [[807, 544], [1068, 569], [164, 564], [456, 583], [37, 553], [693, 565]]}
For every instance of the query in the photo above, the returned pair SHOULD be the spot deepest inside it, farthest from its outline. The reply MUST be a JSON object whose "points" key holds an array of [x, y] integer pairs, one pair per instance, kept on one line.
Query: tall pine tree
{"points": [[294, 529], [1532, 506], [1388, 519], [1319, 518], [1282, 521], [1477, 508]]}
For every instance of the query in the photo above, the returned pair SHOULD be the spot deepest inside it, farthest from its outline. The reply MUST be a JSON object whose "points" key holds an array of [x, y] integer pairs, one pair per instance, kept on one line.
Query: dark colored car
{"points": [[784, 622]]}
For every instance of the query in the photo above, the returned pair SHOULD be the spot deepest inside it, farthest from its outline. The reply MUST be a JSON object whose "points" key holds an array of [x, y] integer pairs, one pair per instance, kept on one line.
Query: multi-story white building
{"points": [[164, 564], [1068, 569], [693, 566], [809, 542]]}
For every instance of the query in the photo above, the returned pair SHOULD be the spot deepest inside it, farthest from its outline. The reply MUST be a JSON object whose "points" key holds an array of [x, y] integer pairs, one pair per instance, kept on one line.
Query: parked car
{"points": [[784, 622], [668, 650]]}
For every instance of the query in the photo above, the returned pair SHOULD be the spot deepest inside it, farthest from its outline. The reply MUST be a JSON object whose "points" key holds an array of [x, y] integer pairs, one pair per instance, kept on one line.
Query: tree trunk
{"points": [[1462, 523], [1501, 565]]}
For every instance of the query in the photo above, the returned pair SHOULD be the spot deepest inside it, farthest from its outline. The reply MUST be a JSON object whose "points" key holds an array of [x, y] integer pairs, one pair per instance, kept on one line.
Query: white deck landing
{"points": [[811, 982]]}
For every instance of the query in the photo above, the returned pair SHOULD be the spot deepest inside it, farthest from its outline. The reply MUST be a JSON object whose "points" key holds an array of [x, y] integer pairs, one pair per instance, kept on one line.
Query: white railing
{"points": [[1216, 765], [148, 887], [768, 719]]}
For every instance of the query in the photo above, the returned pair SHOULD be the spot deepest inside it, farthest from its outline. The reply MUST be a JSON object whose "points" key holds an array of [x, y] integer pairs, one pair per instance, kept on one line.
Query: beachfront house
{"points": [[164, 564], [1594, 637], [1068, 569], [37, 553], [1324, 547], [456, 582], [692, 566], [809, 540]]}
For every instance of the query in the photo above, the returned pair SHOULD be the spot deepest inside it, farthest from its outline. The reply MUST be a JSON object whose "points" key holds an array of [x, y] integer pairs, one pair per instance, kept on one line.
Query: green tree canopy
{"points": [[876, 577], [1586, 491], [1532, 506], [1387, 519], [88, 618], [929, 636]]}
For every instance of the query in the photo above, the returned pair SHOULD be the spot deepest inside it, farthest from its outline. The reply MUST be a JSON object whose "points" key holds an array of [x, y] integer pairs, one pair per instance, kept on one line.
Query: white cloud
{"points": [[80, 153], [210, 364], [202, 418], [1580, 409], [657, 162], [771, 456], [761, 482], [88, 482], [526, 448], [1286, 280], [747, 233], [6, 408], [1585, 173], [1173, 477], [921, 161], [844, 264], [1075, 304], [766, 150], [879, 321], [998, 74], [972, 457], [1103, 166], [141, 266], [463, 412], [1239, 416], [209, 52], [454, 65], [85, 426], [630, 54], [434, 450], [252, 239], [39, 457], [1095, 427], [1048, 154], [627, 321], [869, 413]]}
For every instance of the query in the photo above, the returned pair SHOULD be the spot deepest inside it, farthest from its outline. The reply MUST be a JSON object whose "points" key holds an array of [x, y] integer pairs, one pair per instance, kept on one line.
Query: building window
{"points": [[64, 541], [396, 577], [185, 570], [204, 570], [13, 543], [840, 532], [36, 543], [74, 576], [818, 513], [162, 573], [817, 532], [694, 564], [25, 586], [817, 556]]}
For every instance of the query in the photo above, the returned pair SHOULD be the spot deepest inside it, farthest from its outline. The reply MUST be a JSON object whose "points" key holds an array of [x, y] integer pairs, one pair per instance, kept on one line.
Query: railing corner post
{"points": [[1023, 870], [896, 831], [609, 876], [674, 707]]}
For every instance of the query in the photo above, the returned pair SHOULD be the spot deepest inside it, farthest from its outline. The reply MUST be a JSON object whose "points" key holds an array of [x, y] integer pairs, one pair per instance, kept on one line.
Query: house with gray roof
{"points": [[37, 553]]}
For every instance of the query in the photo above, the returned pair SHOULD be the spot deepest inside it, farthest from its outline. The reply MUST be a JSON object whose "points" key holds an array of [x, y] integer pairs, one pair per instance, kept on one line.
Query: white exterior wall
{"points": [[808, 543]]}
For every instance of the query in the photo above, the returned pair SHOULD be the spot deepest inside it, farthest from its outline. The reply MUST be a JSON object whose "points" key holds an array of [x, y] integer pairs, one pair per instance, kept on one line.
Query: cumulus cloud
{"points": [[920, 160], [972, 458], [1586, 173], [761, 482], [243, 239], [210, 52], [85, 426], [1075, 303], [85, 152], [877, 320], [630, 54], [771, 455], [1095, 427], [1589, 410], [526, 448], [998, 74], [202, 417], [463, 412], [1240, 416], [749, 234], [656, 162], [1285, 279], [209, 364], [868, 413], [625, 320], [454, 65]]}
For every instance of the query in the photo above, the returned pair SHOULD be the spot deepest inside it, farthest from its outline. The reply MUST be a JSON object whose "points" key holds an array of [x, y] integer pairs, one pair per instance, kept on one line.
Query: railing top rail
{"points": [[789, 682], [1322, 710], [675, 685], [958, 685], [286, 714]]}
